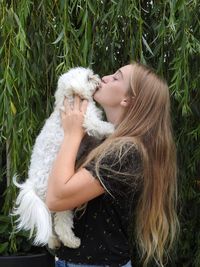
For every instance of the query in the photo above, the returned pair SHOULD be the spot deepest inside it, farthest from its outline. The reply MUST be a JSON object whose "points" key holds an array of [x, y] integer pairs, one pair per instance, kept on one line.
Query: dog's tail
{"points": [[34, 216]]}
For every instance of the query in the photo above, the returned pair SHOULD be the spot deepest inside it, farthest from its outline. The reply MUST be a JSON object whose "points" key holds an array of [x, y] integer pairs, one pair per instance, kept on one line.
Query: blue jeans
{"points": [[61, 263]]}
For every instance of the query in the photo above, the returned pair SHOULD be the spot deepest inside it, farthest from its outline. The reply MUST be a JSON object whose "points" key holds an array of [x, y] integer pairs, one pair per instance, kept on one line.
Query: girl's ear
{"points": [[125, 102]]}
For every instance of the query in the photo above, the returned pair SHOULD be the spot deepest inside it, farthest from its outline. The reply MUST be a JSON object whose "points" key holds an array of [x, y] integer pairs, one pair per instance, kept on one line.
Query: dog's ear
{"points": [[61, 90]]}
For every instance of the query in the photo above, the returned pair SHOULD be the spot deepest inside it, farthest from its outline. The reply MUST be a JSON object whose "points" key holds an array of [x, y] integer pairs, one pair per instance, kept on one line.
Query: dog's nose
{"points": [[94, 77]]}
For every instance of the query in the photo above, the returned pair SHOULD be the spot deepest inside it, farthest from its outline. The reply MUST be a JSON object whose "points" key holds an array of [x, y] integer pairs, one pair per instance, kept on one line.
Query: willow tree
{"points": [[42, 39]]}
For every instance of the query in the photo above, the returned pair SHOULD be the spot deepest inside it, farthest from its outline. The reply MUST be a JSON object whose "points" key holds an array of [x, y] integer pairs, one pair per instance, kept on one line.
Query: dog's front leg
{"points": [[53, 242], [63, 224]]}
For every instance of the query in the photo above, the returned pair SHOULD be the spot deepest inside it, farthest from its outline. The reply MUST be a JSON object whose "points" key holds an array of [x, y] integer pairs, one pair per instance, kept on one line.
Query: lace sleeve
{"points": [[119, 173]]}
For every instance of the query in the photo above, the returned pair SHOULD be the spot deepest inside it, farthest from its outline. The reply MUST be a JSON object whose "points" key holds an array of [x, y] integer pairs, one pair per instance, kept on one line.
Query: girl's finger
{"points": [[77, 102], [67, 105], [84, 105]]}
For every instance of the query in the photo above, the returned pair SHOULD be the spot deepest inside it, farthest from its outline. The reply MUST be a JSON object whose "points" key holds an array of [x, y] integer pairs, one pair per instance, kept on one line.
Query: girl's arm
{"points": [[67, 189]]}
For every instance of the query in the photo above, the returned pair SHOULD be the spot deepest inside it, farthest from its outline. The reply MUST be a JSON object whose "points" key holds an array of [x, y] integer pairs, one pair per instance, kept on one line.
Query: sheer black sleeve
{"points": [[120, 172]]}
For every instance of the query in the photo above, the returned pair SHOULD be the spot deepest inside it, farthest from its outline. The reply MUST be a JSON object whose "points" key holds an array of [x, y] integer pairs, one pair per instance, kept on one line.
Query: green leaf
{"points": [[13, 108], [91, 7], [4, 218], [3, 247], [17, 20], [147, 46], [3, 228], [60, 36]]}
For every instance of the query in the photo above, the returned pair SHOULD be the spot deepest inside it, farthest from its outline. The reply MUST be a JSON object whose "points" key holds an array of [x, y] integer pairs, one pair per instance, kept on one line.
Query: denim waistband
{"points": [[61, 263]]}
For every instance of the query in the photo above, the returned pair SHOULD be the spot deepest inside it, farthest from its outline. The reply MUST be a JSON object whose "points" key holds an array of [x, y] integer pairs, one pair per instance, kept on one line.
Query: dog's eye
{"points": [[89, 78]]}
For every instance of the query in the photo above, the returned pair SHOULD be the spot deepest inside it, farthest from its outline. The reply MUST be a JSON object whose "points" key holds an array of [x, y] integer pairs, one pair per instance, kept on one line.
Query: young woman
{"points": [[128, 181]]}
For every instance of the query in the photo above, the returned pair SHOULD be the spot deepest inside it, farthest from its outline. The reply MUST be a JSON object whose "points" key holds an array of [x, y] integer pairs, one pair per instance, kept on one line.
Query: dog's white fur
{"points": [[34, 216]]}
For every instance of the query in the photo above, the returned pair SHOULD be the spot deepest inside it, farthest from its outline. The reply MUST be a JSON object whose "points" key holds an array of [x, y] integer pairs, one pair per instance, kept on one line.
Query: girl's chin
{"points": [[95, 96]]}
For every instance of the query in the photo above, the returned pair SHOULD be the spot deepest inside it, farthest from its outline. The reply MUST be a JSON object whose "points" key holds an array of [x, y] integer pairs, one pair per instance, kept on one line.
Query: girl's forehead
{"points": [[126, 70]]}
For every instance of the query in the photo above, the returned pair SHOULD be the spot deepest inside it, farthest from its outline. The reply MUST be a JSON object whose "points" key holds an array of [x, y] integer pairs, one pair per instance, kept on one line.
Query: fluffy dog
{"points": [[34, 216]]}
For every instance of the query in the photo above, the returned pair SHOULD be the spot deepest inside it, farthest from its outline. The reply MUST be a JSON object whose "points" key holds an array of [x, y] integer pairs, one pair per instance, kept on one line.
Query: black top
{"points": [[103, 228]]}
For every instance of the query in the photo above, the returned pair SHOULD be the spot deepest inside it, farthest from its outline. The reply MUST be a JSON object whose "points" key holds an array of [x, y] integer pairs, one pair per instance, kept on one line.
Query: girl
{"points": [[128, 181]]}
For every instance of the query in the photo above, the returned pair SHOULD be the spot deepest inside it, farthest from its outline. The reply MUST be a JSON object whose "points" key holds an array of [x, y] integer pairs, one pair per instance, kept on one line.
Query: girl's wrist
{"points": [[72, 138]]}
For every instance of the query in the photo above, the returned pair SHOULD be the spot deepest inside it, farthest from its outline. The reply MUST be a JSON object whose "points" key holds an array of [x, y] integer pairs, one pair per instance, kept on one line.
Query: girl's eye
{"points": [[115, 78]]}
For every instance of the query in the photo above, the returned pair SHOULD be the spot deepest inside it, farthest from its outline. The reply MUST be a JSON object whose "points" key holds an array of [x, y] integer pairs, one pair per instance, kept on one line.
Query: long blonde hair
{"points": [[147, 124]]}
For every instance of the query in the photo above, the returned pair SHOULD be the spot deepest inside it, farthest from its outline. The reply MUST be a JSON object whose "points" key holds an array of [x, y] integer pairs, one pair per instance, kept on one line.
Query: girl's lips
{"points": [[100, 85], [97, 88]]}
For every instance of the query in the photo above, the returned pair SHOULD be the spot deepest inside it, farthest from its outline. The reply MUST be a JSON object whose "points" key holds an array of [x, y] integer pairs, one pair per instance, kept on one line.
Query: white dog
{"points": [[33, 213]]}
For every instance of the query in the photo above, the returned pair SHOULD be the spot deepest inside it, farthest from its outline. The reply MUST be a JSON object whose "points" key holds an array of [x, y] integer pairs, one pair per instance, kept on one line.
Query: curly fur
{"points": [[33, 214]]}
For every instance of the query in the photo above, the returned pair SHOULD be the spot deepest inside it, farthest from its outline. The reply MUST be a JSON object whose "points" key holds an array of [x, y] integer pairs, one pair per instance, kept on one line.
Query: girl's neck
{"points": [[113, 115]]}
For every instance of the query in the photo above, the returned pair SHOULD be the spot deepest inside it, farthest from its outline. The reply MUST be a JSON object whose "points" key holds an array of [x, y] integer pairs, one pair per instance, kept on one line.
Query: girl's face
{"points": [[114, 88]]}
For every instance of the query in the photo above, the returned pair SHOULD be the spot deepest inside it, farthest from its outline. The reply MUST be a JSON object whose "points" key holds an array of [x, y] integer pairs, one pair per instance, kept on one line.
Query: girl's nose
{"points": [[105, 79]]}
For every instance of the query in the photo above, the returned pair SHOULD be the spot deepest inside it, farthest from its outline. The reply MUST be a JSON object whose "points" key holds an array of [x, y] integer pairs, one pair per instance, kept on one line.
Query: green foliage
{"points": [[12, 242], [42, 39]]}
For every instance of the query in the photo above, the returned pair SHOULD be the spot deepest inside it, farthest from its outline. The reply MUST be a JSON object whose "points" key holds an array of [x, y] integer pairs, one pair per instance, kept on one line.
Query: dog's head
{"points": [[80, 81]]}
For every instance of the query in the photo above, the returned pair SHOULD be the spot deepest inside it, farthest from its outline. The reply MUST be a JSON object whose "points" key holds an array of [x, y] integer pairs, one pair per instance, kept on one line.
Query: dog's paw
{"points": [[72, 243], [53, 242]]}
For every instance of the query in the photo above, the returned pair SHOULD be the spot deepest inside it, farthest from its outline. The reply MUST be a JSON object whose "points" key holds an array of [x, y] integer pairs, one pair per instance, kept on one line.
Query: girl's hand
{"points": [[73, 116]]}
